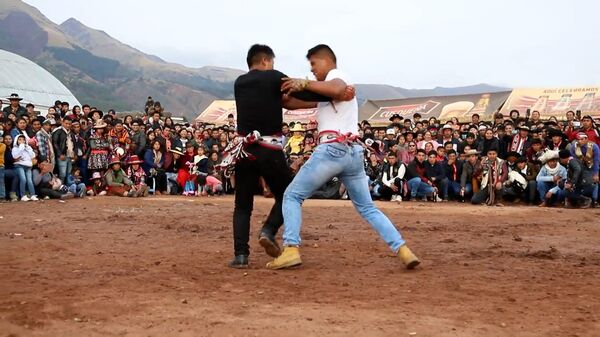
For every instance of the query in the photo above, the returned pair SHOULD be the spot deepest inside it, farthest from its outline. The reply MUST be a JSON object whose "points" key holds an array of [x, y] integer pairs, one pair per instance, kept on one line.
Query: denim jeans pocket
{"points": [[336, 151]]}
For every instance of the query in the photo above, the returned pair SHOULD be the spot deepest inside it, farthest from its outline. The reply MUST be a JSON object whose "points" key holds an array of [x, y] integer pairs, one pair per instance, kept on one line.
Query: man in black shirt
{"points": [[259, 102]]}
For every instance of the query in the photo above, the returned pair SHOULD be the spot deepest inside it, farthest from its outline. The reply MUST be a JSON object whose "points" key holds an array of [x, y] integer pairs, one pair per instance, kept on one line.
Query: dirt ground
{"points": [[157, 267]]}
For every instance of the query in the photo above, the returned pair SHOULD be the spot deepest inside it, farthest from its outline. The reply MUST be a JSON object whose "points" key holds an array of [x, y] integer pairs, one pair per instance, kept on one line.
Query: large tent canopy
{"points": [[31, 82]]}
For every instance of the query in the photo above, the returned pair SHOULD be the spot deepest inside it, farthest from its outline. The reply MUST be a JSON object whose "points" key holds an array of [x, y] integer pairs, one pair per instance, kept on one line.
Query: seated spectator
{"points": [[494, 175], [137, 175], [453, 168], [98, 187], [521, 183], [117, 181], [549, 179], [418, 183], [75, 183], [434, 171], [390, 187], [578, 188]]}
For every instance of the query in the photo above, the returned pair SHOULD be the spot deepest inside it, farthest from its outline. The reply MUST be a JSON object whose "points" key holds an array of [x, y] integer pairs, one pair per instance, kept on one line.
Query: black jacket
{"points": [[59, 141], [434, 171], [576, 174], [449, 171]]}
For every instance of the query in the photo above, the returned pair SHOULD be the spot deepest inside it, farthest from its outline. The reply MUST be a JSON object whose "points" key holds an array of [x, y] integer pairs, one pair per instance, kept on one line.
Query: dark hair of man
{"points": [[257, 52], [432, 153], [321, 50], [536, 141], [391, 154], [421, 151], [475, 115], [446, 143], [85, 106], [450, 152]]}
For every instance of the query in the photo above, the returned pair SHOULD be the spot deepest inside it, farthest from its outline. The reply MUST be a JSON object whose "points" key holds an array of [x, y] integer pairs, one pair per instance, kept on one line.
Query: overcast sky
{"points": [[412, 44]]}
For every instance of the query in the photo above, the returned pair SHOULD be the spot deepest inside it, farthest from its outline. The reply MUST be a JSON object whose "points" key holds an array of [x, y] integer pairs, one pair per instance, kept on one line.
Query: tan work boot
{"points": [[289, 258], [408, 258]]}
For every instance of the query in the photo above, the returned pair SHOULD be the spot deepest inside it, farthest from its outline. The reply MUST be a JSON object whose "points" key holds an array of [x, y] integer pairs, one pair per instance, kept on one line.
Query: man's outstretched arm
{"points": [[335, 89]]}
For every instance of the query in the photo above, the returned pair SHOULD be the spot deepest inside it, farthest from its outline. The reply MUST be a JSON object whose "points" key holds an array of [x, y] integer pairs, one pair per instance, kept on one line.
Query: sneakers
{"points": [[436, 198], [34, 198], [269, 243], [396, 198], [408, 258], [289, 258], [239, 262], [13, 196], [25, 198], [68, 195]]}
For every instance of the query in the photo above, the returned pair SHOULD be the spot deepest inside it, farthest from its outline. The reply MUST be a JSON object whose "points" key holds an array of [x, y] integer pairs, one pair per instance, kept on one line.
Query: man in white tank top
{"points": [[336, 155]]}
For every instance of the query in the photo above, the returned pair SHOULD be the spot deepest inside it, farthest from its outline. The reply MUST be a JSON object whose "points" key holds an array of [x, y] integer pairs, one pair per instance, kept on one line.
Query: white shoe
{"points": [[34, 198], [437, 198], [398, 198], [25, 198]]}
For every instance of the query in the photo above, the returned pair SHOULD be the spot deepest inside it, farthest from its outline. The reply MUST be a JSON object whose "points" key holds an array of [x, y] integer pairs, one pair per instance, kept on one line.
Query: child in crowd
{"points": [[137, 175], [24, 156], [201, 170], [98, 187], [74, 183]]}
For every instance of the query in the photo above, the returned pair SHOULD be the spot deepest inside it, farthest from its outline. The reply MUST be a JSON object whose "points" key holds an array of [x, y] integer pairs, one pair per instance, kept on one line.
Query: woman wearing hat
{"points": [[117, 180], [99, 148], [137, 175]]}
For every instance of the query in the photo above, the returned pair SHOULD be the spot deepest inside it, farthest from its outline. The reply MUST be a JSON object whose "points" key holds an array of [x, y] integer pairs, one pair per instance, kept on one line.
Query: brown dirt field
{"points": [[157, 267]]}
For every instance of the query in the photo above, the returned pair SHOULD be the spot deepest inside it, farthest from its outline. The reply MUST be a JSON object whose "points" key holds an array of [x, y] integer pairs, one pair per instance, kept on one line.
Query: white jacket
{"points": [[24, 151]]}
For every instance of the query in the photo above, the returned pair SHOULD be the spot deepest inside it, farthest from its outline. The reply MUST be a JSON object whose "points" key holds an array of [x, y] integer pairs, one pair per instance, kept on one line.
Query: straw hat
{"points": [[297, 128], [114, 160]]}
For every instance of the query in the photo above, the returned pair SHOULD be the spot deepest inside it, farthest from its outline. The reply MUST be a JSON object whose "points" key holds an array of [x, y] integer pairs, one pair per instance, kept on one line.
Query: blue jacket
{"points": [[149, 161]]}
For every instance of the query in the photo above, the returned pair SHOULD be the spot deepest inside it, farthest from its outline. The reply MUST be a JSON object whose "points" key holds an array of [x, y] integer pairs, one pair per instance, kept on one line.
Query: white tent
{"points": [[31, 82]]}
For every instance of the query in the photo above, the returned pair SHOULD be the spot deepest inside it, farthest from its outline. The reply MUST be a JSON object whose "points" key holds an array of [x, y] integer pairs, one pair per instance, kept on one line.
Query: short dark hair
{"points": [[391, 154], [451, 151], [257, 52], [321, 49], [475, 115], [432, 153], [421, 151]]}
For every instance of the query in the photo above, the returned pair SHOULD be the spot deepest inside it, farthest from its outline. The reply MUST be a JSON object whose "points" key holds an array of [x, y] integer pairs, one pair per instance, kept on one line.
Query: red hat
{"points": [[114, 160], [134, 159]]}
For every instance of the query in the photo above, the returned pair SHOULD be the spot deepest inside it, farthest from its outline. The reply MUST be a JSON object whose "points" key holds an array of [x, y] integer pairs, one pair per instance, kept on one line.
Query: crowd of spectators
{"points": [[69, 152]]}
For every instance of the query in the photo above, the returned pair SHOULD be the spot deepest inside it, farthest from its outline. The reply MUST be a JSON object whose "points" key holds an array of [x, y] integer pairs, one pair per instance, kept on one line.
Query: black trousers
{"points": [[386, 192], [272, 166]]}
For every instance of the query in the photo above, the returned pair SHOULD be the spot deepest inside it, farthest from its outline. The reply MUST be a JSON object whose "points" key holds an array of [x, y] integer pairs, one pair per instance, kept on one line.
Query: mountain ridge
{"points": [[107, 73]]}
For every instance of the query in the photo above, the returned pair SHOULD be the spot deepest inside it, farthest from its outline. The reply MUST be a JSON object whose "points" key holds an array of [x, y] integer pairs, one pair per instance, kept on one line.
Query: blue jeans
{"points": [[454, 189], [64, 168], [345, 162], [77, 189], [2, 187], [14, 180], [25, 179], [418, 188]]}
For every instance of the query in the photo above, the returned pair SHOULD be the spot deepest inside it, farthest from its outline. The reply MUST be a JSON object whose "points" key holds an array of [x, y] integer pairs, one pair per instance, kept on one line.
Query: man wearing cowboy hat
{"points": [[446, 136], [15, 107]]}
